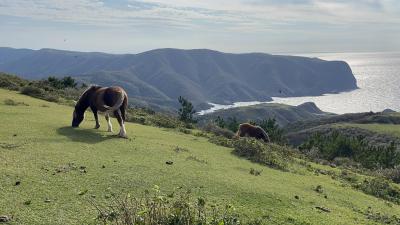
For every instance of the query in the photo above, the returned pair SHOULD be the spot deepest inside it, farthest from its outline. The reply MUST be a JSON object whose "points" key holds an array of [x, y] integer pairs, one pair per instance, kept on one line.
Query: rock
{"points": [[14, 135], [82, 192], [169, 162], [28, 202], [319, 189], [296, 197], [4, 219], [17, 183], [47, 200], [103, 166], [324, 209]]}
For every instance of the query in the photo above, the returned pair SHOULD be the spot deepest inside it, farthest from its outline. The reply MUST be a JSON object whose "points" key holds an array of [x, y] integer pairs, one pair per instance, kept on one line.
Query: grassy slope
{"points": [[45, 141], [391, 129]]}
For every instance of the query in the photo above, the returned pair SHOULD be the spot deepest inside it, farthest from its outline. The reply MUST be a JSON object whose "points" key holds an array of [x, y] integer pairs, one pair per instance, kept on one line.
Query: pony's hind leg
{"points": [[97, 126], [122, 132], [109, 123]]}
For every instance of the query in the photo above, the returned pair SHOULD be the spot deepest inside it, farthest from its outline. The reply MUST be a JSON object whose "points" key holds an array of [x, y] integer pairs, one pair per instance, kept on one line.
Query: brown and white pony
{"points": [[248, 130], [104, 99]]}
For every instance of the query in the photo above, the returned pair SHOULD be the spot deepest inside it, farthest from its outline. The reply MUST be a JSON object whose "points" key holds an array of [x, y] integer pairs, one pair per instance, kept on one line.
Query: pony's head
{"points": [[77, 117], [81, 106]]}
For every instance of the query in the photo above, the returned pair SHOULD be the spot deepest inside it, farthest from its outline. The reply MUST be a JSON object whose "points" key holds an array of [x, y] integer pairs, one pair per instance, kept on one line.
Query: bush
{"points": [[216, 130], [271, 155], [222, 141], [392, 173], [11, 82], [14, 103], [380, 188], [32, 91], [336, 145], [178, 208]]}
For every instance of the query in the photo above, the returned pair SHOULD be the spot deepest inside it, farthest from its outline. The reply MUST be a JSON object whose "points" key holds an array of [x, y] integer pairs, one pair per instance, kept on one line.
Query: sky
{"points": [[271, 26]]}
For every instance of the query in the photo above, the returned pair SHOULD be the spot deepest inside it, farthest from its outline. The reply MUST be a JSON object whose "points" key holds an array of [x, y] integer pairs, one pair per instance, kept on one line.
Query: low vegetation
{"points": [[336, 145], [178, 207], [61, 90]]}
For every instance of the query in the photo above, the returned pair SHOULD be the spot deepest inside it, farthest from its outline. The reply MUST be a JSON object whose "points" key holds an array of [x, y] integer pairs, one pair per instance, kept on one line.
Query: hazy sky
{"points": [[131, 26]]}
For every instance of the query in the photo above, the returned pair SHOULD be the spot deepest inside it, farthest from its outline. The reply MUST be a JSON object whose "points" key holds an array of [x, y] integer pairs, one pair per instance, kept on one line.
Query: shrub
{"points": [[222, 141], [216, 130], [32, 91], [178, 208], [11, 82], [335, 145], [14, 103], [271, 155], [391, 173], [380, 188]]}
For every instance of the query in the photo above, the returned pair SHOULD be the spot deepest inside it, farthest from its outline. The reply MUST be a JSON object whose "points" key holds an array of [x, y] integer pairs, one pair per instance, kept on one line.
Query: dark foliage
{"points": [[273, 130], [380, 188], [272, 155], [336, 145], [186, 111]]}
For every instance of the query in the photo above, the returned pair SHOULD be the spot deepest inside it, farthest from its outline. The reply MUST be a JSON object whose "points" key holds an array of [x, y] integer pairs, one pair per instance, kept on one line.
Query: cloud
{"points": [[232, 14], [209, 22]]}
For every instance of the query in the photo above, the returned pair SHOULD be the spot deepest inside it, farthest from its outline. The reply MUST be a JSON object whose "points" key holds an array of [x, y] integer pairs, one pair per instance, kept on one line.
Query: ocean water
{"points": [[378, 79]]}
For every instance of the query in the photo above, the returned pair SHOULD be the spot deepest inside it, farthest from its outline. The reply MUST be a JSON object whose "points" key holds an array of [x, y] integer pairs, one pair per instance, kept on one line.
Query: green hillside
{"points": [[56, 164], [391, 129]]}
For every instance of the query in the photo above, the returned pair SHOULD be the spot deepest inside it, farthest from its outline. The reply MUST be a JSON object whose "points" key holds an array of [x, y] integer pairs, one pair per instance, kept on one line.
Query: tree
{"points": [[186, 111], [65, 82], [232, 124], [68, 82], [220, 122], [274, 132]]}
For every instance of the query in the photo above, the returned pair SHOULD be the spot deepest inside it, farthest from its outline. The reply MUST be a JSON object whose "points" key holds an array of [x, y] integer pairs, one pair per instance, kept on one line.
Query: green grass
{"points": [[391, 129], [35, 141]]}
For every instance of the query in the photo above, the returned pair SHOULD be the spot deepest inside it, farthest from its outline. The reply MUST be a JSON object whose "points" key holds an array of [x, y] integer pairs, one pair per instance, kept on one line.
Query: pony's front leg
{"points": [[109, 123], [97, 119], [122, 132]]}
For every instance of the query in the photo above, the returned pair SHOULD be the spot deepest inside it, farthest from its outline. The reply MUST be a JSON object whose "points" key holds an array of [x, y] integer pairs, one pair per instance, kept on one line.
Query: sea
{"points": [[378, 79]]}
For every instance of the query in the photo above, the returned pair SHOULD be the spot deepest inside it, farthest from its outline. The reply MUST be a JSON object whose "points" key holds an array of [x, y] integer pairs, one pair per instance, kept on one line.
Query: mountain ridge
{"points": [[202, 75]]}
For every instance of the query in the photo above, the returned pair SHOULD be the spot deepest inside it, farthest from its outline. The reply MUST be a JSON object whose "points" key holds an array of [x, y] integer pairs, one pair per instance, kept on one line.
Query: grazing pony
{"points": [[246, 129], [104, 99]]}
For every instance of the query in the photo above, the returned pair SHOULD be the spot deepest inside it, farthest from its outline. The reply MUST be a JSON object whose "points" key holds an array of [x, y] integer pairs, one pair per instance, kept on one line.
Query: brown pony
{"points": [[246, 129], [104, 99]]}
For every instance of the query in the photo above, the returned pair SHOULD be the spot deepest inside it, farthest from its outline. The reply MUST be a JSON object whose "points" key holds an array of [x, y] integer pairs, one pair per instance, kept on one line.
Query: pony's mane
{"points": [[84, 94]]}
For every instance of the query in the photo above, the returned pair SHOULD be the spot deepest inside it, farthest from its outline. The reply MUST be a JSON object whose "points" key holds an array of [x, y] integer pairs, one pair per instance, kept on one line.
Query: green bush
{"points": [[14, 103], [272, 155], [380, 188], [32, 91], [222, 141], [216, 130], [177, 208], [336, 145], [11, 82]]}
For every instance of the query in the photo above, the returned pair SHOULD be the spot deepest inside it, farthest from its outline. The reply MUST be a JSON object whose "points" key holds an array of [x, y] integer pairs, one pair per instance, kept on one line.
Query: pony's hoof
{"points": [[97, 127], [123, 136], [109, 130]]}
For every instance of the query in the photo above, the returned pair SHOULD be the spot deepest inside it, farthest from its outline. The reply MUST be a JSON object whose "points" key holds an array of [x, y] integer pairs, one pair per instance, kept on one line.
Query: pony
{"points": [[248, 130], [110, 100]]}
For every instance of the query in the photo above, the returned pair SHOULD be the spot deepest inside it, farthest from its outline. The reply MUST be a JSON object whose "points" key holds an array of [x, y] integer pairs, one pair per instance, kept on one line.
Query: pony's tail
{"points": [[123, 107], [118, 104]]}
